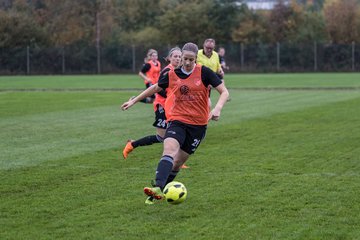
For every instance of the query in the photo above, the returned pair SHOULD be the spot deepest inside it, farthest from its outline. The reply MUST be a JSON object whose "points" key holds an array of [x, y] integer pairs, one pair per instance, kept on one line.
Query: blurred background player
{"points": [[150, 72], [174, 58], [209, 58], [188, 114], [221, 52]]}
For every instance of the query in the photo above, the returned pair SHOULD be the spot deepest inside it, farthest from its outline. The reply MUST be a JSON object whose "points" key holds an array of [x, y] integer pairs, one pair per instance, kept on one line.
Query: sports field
{"points": [[283, 162]]}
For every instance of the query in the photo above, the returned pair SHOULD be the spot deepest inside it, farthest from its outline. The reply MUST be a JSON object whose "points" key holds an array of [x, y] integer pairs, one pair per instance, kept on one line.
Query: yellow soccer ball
{"points": [[175, 192]]}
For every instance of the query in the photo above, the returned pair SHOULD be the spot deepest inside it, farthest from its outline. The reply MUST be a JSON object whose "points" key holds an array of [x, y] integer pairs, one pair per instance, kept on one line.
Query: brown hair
{"points": [[149, 53], [191, 47], [171, 52]]}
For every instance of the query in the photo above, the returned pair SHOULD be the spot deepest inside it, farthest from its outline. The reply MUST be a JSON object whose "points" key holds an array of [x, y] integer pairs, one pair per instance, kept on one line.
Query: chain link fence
{"points": [[280, 57]]}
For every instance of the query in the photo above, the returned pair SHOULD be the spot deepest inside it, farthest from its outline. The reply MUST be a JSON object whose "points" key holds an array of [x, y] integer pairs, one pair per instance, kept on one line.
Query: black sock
{"points": [[147, 100], [171, 176], [163, 170], [148, 140], [159, 138]]}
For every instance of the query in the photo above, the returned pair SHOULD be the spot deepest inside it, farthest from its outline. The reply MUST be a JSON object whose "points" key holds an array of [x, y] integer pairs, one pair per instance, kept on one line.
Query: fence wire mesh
{"points": [[281, 57]]}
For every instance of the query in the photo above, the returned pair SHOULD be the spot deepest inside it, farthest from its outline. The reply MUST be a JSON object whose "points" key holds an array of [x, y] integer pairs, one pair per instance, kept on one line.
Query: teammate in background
{"points": [[174, 58], [188, 114], [150, 72], [221, 53]]}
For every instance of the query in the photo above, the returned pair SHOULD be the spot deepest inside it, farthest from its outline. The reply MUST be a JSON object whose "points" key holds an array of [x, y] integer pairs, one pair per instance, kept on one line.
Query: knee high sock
{"points": [[171, 176], [148, 140], [163, 170]]}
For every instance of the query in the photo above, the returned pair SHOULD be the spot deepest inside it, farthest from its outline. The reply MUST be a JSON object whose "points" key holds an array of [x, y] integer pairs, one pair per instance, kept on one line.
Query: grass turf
{"points": [[133, 81], [278, 165]]}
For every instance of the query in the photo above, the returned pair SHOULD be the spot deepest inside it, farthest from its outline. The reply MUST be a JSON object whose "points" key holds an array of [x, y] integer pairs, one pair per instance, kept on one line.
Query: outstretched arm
{"points": [[143, 76], [146, 93], [224, 95]]}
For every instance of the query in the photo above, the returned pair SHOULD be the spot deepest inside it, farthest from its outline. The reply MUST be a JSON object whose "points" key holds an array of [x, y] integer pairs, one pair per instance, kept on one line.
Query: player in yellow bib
{"points": [[209, 58]]}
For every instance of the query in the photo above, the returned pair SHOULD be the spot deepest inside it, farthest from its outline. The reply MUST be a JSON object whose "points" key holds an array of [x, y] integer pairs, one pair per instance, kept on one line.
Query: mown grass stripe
{"points": [[141, 89]]}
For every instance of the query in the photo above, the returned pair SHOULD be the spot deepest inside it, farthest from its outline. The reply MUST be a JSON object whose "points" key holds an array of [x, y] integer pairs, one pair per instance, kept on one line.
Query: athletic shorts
{"points": [[189, 136], [147, 86], [160, 118]]}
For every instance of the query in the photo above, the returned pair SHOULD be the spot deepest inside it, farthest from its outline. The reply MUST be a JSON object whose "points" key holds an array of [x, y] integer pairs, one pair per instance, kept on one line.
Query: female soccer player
{"points": [[174, 58], [187, 111], [150, 72]]}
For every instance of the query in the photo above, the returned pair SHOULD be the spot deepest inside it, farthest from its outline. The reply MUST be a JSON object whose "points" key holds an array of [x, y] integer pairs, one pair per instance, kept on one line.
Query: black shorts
{"points": [[147, 86], [160, 118], [189, 136]]}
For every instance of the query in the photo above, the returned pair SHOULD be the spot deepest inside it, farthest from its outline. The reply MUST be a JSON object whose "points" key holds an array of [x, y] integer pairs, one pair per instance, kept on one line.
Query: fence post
{"points": [[28, 60], [353, 55], [242, 56], [133, 57], [278, 56], [63, 59], [98, 41], [315, 56]]}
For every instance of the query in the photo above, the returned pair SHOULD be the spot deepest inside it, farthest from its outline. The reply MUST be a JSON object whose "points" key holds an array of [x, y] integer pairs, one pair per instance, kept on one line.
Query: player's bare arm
{"points": [[143, 76], [221, 72], [146, 93], [224, 95]]}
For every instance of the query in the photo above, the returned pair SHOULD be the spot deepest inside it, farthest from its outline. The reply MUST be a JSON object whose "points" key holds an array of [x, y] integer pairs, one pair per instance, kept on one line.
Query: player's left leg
{"points": [[179, 162]]}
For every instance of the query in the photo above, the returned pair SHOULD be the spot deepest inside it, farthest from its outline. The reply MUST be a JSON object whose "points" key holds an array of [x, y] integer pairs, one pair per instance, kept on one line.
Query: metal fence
{"points": [[294, 58], [280, 57]]}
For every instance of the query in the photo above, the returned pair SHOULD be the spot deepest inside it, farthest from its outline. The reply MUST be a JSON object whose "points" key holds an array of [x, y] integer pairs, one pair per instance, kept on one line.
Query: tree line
{"points": [[149, 23]]}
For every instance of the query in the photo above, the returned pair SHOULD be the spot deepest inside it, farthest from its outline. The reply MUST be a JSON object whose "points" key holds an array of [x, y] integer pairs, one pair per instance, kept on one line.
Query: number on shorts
{"points": [[161, 123], [196, 142]]}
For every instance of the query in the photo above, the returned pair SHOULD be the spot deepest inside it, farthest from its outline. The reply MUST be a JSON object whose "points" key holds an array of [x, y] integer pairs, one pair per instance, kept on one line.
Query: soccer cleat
{"points": [[150, 200], [184, 166], [127, 149], [154, 192]]}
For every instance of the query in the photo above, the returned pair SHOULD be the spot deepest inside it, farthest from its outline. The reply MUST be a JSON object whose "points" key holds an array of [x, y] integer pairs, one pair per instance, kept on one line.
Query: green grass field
{"points": [[283, 162]]}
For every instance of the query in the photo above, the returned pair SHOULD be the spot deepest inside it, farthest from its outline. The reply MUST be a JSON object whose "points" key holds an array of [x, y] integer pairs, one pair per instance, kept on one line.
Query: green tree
{"points": [[137, 14], [251, 28], [283, 21], [137, 22], [224, 18], [187, 20], [311, 29], [19, 29]]}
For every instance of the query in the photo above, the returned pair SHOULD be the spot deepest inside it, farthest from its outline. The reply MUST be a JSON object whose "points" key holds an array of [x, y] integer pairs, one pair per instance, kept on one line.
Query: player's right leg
{"points": [[174, 136], [153, 193], [145, 141]]}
